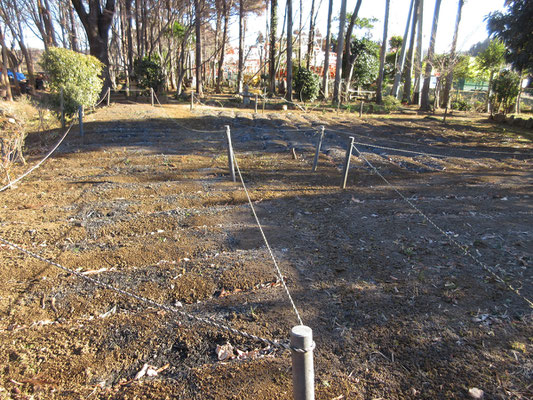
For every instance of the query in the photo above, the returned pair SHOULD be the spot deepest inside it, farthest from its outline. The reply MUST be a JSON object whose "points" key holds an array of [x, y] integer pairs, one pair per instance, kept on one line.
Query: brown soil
{"points": [[396, 310]]}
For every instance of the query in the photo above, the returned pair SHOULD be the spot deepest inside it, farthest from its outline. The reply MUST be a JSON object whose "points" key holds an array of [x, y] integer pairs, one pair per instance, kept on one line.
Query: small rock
{"points": [[476, 393]]}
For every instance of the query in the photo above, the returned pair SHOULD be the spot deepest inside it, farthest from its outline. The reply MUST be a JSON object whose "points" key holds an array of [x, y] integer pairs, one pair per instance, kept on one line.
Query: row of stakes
{"points": [[256, 102], [246, 95], [345, 169], [301, 336]]}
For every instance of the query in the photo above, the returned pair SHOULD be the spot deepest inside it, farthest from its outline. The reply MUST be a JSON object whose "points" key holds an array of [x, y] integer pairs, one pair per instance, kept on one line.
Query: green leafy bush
{"points": [[149, 72], [391, 103], [77, 74], [505, 89], [461, 104], [366, 65], [306, 84]]}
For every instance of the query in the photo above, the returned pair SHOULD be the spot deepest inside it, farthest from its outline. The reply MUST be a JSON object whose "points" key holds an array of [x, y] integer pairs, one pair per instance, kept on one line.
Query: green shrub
{"points": [[391, 103], [505, 88], [461, 105], [306, 84], [77, 74], [149, 72]]}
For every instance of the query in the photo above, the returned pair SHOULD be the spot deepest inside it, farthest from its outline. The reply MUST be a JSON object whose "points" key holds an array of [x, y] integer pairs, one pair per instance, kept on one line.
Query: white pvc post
{"points": [[347, 163], [62, 106], [231, 164], [264, 100], [192, 100], [318, 146], [303, 374], [152, 95], [361, 108], [108, 96], [80, 118]]}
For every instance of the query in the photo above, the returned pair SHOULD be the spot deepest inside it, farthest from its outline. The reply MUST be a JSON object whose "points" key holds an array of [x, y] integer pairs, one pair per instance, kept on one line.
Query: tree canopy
{"points": [[514, 30]]}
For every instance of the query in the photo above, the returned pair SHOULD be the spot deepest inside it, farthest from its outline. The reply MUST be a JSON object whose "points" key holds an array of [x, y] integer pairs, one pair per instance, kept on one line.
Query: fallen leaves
{"points": [[228, 352]]}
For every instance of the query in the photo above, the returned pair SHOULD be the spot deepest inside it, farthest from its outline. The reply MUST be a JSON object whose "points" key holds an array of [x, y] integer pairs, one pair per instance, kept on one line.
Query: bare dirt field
{"points": [[144, 205]]}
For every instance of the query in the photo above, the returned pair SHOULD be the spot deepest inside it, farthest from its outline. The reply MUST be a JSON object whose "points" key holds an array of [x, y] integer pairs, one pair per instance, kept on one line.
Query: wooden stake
{"points": [[62, 106], [256, 97], [80, 118], [231, 164], [192, 100], [318, 146], [303, 374], [347, 163], [361, 108], [152, 95], [108, 96]]}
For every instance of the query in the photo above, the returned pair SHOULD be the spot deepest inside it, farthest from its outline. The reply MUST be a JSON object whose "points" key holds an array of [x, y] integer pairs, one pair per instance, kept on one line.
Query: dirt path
{"points": [[148, 207]]}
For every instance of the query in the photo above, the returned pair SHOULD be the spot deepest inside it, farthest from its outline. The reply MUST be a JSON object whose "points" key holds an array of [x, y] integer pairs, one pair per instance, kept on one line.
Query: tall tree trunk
{"points": [[449, 78], [144, 29], [241, 48], [325, 76], [379, 92], [44, 10], [96, 23], [517, 105], [408, 72], [311, 38], [225, 10], [73, 32], [5, 61], [272, 49], [138, 29], [340, 45], [198, 29], [288, 95], [418, 61], [181, 64], [65, 40], [300, 27], [348, 42], [425, 105], [348, 66], [487, 99], [124, 45], [129, 35], [398, 68]]}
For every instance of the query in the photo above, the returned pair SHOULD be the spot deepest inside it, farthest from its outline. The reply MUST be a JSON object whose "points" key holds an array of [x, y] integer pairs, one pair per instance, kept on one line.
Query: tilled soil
{"points": [[146, 206]]}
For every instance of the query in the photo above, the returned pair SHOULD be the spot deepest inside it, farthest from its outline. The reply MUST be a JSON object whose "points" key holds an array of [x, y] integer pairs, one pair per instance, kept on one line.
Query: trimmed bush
{"points": [[149, 72], [505, 88], [306, 84], [78, 75]]}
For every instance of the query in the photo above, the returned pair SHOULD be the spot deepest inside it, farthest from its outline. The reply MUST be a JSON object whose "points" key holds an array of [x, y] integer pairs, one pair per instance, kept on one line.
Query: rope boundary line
{"points": [[463, 248], [153, 303], [278, 270], [182, 126], [29, 171], [514, 153]]}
